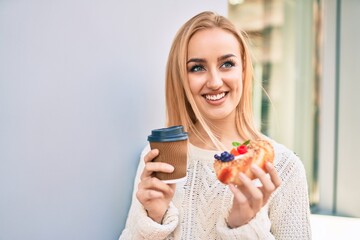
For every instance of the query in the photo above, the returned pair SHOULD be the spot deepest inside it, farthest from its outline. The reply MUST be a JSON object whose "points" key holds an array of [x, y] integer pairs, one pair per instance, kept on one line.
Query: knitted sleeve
{"points": [[138, 225], [257, 228], [289, 209]]}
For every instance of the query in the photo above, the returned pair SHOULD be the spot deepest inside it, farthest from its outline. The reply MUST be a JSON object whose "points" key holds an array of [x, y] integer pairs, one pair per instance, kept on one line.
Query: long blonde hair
{"points": [[181, 108]]}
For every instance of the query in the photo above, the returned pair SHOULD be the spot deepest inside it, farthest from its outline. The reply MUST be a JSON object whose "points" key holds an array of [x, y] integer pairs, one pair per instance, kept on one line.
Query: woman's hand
{"points": [[249, 199], [152, 193]]}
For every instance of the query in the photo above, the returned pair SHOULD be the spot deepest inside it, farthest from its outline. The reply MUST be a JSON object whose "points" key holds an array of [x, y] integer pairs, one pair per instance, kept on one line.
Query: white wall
{"points": [[81, 86]]}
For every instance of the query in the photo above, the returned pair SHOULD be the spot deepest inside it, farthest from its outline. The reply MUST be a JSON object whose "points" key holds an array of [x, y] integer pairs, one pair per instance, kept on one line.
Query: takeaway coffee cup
{"points": [[172, 144]]}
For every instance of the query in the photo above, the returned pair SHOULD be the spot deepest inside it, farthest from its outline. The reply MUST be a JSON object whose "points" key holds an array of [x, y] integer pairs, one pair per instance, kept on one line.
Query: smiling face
{"points": [[214, 71]]}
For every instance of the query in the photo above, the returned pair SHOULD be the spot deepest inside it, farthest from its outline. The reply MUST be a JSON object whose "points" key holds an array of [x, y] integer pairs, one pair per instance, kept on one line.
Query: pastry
{"points": [[228, 165]]}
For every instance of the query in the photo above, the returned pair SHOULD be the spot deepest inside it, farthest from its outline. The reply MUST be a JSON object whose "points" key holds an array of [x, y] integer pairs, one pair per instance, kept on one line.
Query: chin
{"points": [[218, 116]]}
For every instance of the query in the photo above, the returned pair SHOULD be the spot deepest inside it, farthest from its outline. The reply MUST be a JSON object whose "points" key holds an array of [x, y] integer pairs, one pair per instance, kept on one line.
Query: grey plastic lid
{"points": [[170, 134]]}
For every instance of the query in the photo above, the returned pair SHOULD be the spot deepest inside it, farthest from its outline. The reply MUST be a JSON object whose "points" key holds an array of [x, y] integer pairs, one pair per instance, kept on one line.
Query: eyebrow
{"points": [[197, 60], [226, 56], [201, 60]]}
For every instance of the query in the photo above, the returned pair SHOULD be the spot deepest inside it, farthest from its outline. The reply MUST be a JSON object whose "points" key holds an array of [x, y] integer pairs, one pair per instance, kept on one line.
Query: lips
{"points": [[215, 97]]}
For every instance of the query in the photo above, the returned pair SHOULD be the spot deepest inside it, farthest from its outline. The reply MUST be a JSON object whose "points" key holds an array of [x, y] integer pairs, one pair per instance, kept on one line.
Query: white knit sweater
{"points": [[201, 204]]}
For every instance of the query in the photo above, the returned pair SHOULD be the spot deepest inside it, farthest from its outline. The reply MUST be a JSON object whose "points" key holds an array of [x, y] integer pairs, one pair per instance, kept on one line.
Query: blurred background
{"points": [[82, 85], [305, 59], [306, 55]]}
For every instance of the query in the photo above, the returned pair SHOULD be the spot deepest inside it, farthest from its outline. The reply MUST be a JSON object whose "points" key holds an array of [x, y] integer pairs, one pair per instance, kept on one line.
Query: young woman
{"points": [[209, 92]]}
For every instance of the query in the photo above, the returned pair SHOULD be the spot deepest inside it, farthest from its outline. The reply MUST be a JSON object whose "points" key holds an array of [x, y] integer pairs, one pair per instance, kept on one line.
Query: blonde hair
{"points": [[181, 108]]}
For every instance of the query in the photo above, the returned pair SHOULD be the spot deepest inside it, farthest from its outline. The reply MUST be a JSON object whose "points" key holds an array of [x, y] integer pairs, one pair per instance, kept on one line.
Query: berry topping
{"points": [[224, 157], [234, 152], [237, 150], [242, 149]]}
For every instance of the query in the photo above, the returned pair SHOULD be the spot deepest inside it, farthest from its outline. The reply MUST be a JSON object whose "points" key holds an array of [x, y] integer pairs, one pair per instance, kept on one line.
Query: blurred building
{"points": [[305, 55]]}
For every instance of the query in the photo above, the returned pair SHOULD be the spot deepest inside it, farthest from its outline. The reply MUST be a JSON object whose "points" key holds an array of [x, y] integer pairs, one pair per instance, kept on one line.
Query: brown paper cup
{"points": [[175, 154]]}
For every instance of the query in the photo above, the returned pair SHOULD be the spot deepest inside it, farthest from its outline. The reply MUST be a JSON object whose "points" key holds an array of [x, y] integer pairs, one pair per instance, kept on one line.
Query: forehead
{"points": [[213, 41]]}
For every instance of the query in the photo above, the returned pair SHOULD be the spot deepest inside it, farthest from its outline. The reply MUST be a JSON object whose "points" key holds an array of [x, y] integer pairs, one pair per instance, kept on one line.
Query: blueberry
{"points": [[224, 156]]}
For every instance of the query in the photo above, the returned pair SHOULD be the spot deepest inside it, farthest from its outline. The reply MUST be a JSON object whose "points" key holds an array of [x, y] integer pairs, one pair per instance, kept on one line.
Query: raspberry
{"points": [[242, 149]]}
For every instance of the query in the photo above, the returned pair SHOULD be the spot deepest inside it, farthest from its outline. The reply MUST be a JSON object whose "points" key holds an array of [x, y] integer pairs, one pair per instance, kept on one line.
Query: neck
{"points": [[224, 130]]}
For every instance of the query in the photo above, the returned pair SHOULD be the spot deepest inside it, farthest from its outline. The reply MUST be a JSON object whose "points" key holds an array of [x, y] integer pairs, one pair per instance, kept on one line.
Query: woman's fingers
{"points": [[155, 184], [238, 195], [152, 193], [153, 188], [269, 184], [273, 174], [151, 167], [151, 155], [248, 198], [144, 196], [148, 158], [255, 196], [159, 167]]}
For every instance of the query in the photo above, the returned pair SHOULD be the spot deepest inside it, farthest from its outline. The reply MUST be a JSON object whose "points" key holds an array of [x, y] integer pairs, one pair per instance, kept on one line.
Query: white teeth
{"points": [[215, 97]]}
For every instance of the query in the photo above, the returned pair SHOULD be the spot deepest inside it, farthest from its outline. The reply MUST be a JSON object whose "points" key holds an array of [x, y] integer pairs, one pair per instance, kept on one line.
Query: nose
{"points": [[214, 80]]}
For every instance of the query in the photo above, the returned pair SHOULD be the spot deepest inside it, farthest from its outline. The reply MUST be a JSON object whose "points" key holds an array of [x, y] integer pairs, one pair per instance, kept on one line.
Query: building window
{"points": [[283, 35]]}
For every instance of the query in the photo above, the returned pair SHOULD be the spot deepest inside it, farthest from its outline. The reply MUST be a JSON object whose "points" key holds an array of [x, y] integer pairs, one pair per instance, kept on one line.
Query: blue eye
{"points": [[196, 68], [228, 64]]}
